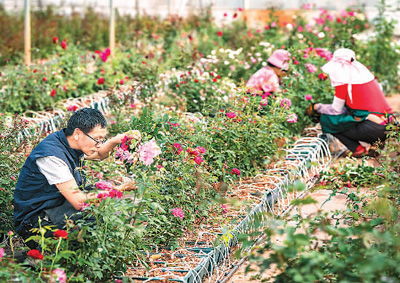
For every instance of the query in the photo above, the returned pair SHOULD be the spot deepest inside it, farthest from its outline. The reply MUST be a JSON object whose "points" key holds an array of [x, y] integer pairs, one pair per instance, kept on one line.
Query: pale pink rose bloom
{"points": [[310, 67], [291, 118], [148, 151], [286, 103], [2, 253], [60, 275], [178, 212]]}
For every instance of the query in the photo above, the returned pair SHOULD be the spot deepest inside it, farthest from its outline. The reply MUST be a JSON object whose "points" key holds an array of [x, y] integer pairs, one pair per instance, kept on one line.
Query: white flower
{"points": [[300, 36], [289, 26], [321, 35]]}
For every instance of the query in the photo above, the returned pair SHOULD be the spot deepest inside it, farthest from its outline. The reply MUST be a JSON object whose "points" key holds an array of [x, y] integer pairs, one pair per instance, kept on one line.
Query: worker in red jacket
{"points": [[359, 111]]}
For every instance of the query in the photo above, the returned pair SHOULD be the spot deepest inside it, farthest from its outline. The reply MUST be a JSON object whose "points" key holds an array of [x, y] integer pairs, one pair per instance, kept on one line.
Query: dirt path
{"points": [[394, 102], [335, 203]]}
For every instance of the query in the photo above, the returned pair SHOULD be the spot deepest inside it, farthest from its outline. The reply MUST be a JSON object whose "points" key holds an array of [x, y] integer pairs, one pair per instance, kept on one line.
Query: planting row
{"points": [[241, 51]]}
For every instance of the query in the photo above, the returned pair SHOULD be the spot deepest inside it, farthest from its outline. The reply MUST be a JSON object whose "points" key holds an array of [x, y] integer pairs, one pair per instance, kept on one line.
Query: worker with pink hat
{"points": [[267, 79], [359, 111]]}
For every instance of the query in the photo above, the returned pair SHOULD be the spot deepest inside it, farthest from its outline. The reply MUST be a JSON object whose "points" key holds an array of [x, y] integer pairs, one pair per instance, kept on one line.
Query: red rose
{"points": [[35, 254], [192, 151], [101, 81], [63, 44], [235, 171], [322, 76], [61, 234], [44, 79], [196, 81], [53, 92], [72, 108], [55, 40], [121, 82], [198, 160], [219, 33]]}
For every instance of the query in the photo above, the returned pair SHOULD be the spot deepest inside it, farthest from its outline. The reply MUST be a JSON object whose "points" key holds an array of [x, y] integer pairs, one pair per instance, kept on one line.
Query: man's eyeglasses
{"points": [[97, 141]]}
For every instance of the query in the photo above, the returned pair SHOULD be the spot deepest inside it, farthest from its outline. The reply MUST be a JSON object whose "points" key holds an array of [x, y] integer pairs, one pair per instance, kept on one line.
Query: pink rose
{"points": [[201, 149], [310, 68], [308, 97], [291, 118], [198, 160], [178, 212], [148, 151], [231, 115], [286, 103], [103, 185], [59, 275], [235, 171], [178, 148]]}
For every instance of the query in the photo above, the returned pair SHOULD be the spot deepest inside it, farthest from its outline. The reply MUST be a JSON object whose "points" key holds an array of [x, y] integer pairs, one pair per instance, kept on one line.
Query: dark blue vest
{"points": [[33, 193]]}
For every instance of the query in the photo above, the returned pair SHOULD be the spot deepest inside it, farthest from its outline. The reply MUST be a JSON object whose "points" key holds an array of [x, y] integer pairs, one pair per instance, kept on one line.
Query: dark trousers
{"points": [[54, 217], [366, 131]]}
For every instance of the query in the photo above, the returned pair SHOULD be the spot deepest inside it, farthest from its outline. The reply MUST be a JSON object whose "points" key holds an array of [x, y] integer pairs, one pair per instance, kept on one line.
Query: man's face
{"points": [[91, 142]]}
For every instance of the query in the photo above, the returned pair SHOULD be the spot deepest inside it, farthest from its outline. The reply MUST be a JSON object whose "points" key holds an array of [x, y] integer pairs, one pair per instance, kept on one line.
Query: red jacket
{"points": [[368, 96]]}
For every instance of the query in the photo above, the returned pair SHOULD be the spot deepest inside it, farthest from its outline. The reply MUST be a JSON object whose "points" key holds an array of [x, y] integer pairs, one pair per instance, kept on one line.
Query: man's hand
{"points": [[117, 139], [128, 186], [73, 194]]}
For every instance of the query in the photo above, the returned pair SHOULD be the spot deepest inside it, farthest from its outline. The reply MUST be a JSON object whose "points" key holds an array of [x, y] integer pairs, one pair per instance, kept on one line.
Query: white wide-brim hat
{"points": [[343, 68]]}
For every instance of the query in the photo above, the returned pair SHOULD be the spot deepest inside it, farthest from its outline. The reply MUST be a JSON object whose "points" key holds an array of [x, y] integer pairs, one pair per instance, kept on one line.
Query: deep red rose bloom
{"points": [[44, 79], [55, 40], [101, 81], [61, 234], [322, 76], [53, 93], [235, 171], [72, 108], [219, 33], [63, 44], [35, 254]]}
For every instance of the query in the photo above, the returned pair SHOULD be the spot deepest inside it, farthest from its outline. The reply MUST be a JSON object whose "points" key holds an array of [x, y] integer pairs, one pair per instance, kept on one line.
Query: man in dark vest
{"points": [[49, 181]]}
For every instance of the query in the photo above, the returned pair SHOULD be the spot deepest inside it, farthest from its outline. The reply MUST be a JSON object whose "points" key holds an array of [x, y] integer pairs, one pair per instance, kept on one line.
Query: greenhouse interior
{"points": [[199, 141]]}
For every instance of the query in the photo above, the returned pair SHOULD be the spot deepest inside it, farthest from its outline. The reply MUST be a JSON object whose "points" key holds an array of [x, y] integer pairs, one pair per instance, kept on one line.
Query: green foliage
{"points": [[359, 244], [11, 159], [108, 239]]}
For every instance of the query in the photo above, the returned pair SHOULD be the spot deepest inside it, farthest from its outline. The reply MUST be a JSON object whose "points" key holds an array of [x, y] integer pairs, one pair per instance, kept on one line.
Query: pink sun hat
{"points": [[280, 58], [343, 68]]}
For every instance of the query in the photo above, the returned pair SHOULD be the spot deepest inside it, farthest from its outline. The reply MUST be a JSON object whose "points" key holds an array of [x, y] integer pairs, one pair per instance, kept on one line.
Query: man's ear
{"points": [[76, 133]]}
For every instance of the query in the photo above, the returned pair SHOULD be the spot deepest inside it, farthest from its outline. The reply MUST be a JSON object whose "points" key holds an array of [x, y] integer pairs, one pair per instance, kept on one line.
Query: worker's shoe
{"points": [[360, 151]]}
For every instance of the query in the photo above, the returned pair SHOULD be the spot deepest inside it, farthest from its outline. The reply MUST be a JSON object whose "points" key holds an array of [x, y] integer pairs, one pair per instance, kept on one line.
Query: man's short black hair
{"points": [[85, 119]]}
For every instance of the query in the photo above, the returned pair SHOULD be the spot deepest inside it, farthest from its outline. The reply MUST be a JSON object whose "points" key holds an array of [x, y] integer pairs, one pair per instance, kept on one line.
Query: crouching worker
{"points": [[359, 111], [49, 181], [267, 80]]}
